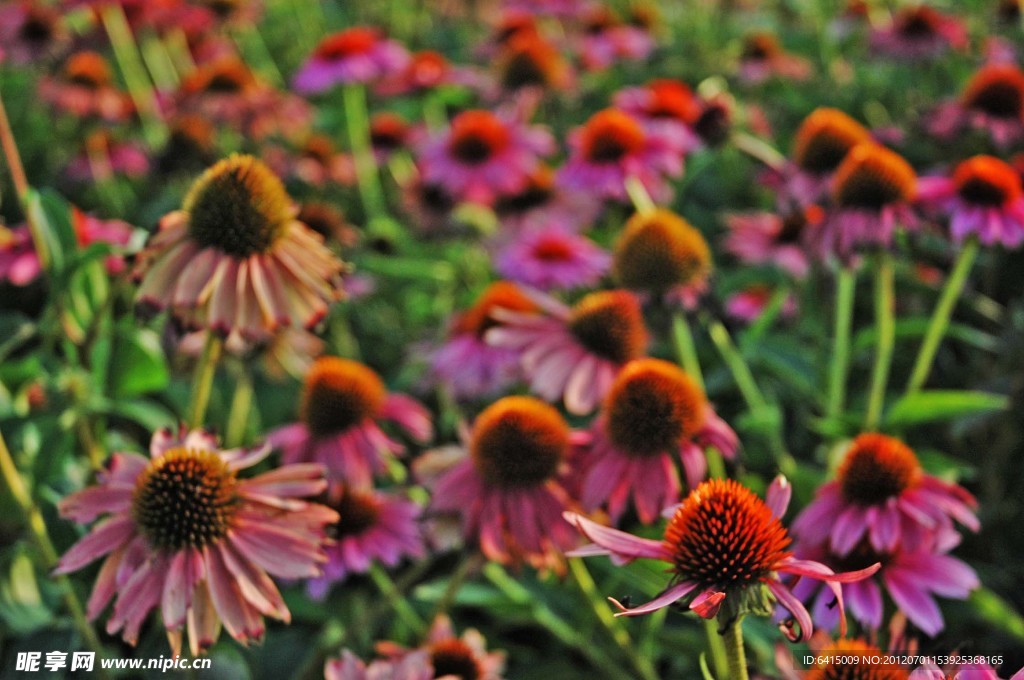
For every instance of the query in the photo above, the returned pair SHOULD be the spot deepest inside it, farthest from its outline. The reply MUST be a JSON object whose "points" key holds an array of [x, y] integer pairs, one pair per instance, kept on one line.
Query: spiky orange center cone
{"points": [[724, 536], [518, 442], [918, 22], [454, 658], [228, 75], [824, 139], [238, 206], [478, 136], [88, 69], [347, 43], [987, 181], [653, 406], [672, 99], [858, 655], [659, 250], [186, 498], [338, 394], [478, 319], [610, 324], [388, 131], [871, 177], [996, 90], [761, 46], [528, 60], [539, 189], [611, 135], [877, 467]]}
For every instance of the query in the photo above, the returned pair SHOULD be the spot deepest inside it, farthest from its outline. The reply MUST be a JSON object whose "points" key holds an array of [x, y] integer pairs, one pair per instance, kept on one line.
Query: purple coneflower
{"points": [[372, 527], [920, 32], [882, 494], [606, 39], [235, 259], [466, 364], [763, 58], [452, 656], [85, 88], [770, 238], [727, 549], [983, 198], [342, 402], [507, 490], [415, 666], [653, 413], [613, 146], [664, 103], [482, 155], [355, 55], [573, 353], [992, 101], [29, 31], [183, 532], [552, 259]]}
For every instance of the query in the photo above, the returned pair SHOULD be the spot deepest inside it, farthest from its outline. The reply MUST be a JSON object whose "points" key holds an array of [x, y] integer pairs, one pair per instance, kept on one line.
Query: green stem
{"points": [[37, 528], [940, 318], [642, 201], [467, 566], [846, 284], [885, 328], [357, 120], [759, 149], [716, 649], [241, 406], [397, 600], [607, 620], [736, 656], [686, 349], [202, 383], [21, 186], [140, 88]]}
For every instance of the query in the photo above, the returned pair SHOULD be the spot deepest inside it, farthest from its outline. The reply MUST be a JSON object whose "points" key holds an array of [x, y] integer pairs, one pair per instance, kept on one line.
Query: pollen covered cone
{"points": [[235, 260], [877, 467], [609, 324], [872, 177], [857, 664], [987, 181], [658, 251], [478, 319], [824, 138], [518, 442], [340, 394], [724, 536], [997, 90]]}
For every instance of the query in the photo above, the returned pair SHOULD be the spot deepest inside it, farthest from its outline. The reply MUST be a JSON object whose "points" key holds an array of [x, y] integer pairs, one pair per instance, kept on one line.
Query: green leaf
{"points": [[997, 612], [52, 214], [925, 407], [137, 363]]}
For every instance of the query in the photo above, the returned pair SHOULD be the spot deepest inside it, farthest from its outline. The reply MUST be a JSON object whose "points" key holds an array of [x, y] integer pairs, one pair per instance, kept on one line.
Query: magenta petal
{"points": [[777, 498], [665, 599], [618, 542], [796, 607], [707, 604]]}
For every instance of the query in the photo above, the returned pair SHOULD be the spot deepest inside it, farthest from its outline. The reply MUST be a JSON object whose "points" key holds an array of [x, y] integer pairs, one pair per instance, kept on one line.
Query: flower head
{"points": [[779, 239], [762, 57], [342, 403], [726, 548], [457, 657], [992, 101], [882, 493], [85, 87], [506, 490], [527, 60], [251, 266], [355, 55], [857, 663], [574, 353], [552, 258], [652, 413], [919, 32], [185, 532], [30, 31]]}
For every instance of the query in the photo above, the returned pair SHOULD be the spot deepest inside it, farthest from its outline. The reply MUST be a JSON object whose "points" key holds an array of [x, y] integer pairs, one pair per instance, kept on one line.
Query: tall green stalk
{"points": [[357, 121], [686, 349], [943, 312], [846, 284], [885, 329], [202, 383], [734, 652]]}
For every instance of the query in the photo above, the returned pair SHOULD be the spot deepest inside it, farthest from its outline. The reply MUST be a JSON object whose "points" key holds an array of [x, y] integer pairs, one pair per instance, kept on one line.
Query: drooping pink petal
{"points": [[674, 593], [618, 542]]}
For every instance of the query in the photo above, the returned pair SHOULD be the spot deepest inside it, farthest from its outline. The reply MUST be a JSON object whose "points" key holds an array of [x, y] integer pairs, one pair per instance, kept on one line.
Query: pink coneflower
{"points": [[429, 207], [415, 666], [613, 146], [372, 527], [389, 132], [847, 658], [822, 141], [653, 413], [552, 259], [452, 656], [89, 230], [920, 32], [763, 58], [467, 365], [769, 238], [226, 91], [355, 55], [105, 156], [190, 146], [749, 304], [425, 71], [316, 161], [19, 262], [184, 532], [727, 549], [882, 493], [872, 192], [528, 60], [342, 402], [911, 577], [606, 40], [85, 87], [660, 253], [30, 31], [483, 155], [542, 203], [992, 101], [983, 197], [234, 258], [506, 490], [573, 353], [664, 103]]}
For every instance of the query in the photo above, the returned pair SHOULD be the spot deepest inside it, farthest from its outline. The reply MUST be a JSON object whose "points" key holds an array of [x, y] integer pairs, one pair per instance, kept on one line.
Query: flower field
{"points": [[526, 339]]}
